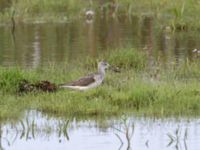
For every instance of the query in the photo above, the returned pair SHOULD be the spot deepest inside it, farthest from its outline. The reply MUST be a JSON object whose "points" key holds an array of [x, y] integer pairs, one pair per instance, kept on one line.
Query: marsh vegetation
{"points": [[158, 90], [177, 14]]}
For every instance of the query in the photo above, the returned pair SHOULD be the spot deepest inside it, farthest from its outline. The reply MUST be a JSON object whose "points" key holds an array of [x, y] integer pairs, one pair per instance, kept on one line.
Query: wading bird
{"points": [[89, 81]]}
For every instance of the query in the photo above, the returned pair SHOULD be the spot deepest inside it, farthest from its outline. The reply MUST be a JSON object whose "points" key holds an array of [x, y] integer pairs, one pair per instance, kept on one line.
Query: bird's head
{"points": [[103, 64]]}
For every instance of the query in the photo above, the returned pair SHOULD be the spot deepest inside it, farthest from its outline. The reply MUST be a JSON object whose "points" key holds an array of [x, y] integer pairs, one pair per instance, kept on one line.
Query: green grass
{"points": [[43, 10], [178, 14], [139, 89]]}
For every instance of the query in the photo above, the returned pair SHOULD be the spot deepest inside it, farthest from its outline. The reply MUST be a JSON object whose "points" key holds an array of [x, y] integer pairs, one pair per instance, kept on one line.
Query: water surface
{"points": [[39, 44], [39, 131]]}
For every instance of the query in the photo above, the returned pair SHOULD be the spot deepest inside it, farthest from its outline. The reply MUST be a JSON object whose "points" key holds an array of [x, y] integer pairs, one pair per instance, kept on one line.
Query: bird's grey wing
{"points": [[84, 81]]}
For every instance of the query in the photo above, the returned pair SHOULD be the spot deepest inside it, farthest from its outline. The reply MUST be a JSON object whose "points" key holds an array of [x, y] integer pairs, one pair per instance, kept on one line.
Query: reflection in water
{"points": [[4, 4], [90, 37], [38, 44], [40, 131], [177, 138], [36, 48], [147, 37], [166, 44], [127, 128], [0, 137]]}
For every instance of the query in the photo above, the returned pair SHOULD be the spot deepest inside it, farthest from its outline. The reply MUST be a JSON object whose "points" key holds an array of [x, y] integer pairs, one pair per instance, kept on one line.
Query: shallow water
{"points": [[39, 44], [38, 131]]}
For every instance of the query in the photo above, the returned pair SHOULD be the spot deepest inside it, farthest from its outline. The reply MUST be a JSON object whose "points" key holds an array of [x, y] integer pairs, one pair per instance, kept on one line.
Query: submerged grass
{"points": [[172, 91]]}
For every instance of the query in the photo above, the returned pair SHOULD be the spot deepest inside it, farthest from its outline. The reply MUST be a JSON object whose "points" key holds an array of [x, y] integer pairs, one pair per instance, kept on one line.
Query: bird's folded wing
{"points": [[84, 81]]}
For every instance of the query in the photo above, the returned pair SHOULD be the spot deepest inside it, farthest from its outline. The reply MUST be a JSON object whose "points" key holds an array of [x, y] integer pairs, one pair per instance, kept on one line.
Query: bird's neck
{"points": [[101, 70]]}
